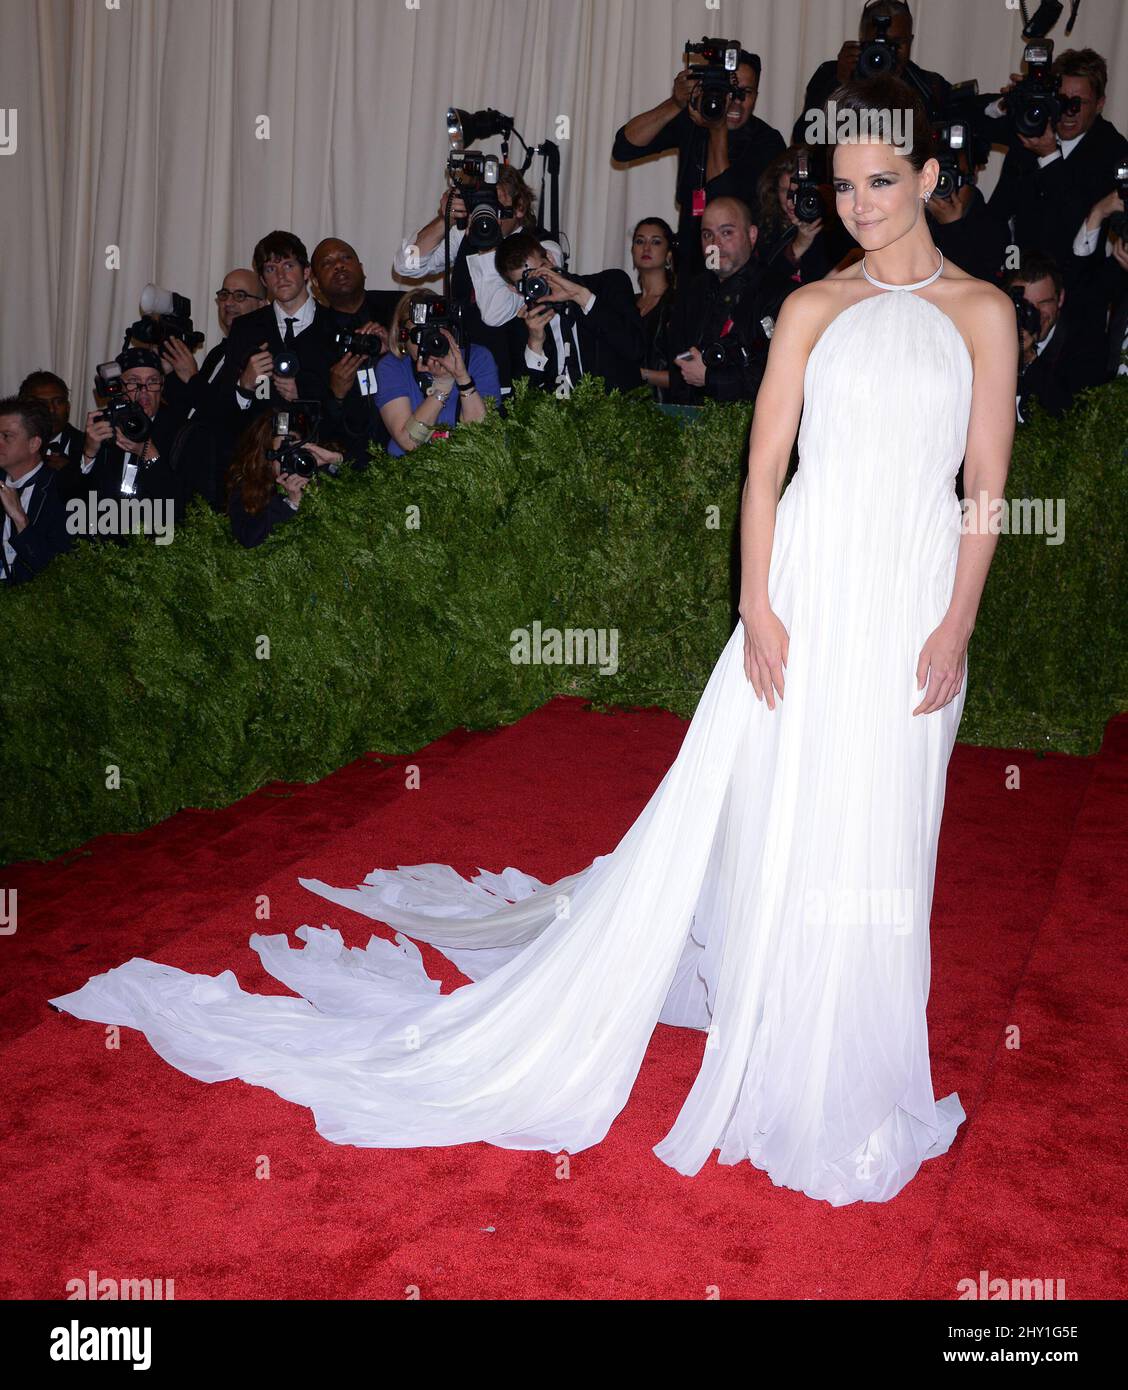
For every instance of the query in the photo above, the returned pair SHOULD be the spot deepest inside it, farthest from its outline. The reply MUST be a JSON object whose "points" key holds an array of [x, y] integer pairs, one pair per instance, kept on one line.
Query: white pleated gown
{"points": [[775, 891]]}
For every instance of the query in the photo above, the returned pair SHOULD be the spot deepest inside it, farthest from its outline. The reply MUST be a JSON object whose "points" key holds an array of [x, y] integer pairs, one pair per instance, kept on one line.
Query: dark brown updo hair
{"points": [[886, 93]]}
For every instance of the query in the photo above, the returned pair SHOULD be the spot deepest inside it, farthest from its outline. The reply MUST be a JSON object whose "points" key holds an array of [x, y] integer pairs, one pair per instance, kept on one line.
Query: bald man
{"points": [[351, 411], [718, 341]]}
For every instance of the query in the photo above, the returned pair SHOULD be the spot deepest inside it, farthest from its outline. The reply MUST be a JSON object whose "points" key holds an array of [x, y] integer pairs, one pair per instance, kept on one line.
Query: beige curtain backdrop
{"points": [[137, 126]]}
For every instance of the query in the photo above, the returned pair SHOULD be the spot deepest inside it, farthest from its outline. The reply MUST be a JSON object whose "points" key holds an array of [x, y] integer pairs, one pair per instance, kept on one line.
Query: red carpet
{"points": [[115, 1162]]}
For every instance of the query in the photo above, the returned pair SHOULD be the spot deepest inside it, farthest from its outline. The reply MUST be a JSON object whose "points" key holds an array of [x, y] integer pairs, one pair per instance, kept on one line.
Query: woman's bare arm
{"points": [[990, 436]]}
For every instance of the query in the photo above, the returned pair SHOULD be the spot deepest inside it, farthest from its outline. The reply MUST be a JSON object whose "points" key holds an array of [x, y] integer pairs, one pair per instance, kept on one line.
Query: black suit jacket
{"points": [[355, 421], [1049, 204], [45, 534], [977, 243], [247, 334], [1070, 362], [705, 306], [611, 340]]}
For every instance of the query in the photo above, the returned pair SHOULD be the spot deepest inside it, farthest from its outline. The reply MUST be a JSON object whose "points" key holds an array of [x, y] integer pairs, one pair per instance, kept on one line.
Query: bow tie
{"points": [[19, 487]]}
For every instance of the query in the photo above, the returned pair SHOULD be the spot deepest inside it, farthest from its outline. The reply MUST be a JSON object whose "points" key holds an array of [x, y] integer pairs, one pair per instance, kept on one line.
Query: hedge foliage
{"points": [[590, 512]]}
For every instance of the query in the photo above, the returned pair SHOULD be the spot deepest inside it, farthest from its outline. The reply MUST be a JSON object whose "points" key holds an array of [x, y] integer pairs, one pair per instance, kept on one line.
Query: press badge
{"points": [[699, 202]]}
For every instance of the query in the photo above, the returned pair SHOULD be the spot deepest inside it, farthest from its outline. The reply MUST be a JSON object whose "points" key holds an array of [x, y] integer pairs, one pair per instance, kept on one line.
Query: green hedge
{"points": [[583, 513]]}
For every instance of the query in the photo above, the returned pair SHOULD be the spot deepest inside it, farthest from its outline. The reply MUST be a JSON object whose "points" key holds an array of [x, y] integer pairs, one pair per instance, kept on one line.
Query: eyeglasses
{"points": [[135, 388], [239, 296]]}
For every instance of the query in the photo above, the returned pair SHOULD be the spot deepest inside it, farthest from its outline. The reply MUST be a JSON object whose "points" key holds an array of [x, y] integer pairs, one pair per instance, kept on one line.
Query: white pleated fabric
{"points": [[774, 892]]}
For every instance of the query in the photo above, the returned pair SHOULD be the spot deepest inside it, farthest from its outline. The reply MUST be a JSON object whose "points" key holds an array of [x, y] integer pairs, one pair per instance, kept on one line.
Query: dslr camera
{"points": [[1029, 320], [1118, 222], [164, 315], [297, 424], [474, 176], [878, 56], [726, 352], [716, 83], [808, 199], [1036, 101], [362, 344], [952, 138], [120, 413], [428, 319], [532, 287]]}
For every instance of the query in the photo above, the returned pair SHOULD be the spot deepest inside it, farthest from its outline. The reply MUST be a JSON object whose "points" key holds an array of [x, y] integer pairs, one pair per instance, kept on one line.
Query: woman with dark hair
{"points": [[775, 892], [653, 251], [254, 502]]}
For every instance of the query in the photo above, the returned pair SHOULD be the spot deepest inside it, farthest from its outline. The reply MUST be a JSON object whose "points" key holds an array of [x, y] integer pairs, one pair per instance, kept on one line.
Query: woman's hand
{"points": [[446, 370], [941, 663], [765, 652], [324, 456], [293, 484]]}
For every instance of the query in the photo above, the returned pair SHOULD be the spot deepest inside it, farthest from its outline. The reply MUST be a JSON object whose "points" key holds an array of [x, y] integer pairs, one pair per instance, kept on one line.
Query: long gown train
{"points": [[775, 892]]}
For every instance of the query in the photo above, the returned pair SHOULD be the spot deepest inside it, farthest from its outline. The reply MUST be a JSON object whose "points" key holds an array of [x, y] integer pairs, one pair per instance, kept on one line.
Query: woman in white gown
{"points": [[775, 891]]}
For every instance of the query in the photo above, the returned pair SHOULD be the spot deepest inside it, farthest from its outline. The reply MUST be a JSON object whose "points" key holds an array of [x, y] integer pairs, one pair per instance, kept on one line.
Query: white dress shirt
{"points": [[537, 361]]}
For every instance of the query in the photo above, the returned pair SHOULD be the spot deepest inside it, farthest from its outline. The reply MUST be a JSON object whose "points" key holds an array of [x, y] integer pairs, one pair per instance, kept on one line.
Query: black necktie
{"points": [[288, 336]]}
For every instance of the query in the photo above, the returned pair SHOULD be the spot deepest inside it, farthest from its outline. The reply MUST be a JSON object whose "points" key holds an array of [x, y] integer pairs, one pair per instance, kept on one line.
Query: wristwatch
{"points": [[433, 390]]}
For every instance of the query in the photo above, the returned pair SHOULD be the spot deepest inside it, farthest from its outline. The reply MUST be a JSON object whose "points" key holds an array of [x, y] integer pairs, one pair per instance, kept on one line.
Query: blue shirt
{"points": [[395, 376]]}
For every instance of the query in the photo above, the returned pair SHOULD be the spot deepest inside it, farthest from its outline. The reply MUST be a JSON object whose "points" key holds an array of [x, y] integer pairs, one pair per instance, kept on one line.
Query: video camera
{"points": [[164, 315], [298, 424], [428, 318], [716, 83], [120, 413], [1035, 102], [474, 176]]}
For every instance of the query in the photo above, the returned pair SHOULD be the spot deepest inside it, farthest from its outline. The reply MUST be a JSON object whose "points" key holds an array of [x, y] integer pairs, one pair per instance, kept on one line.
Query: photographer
{"points": [[1049, 182], [723, 157], [33, 527], [570, 326], [933, 89], [63, 450], [1063, 356], [254, 503], [116, 464], [960, 220], [452, 391], [719, 343], [1102, 283], [275, 342], [474, 280], [795, 247], [194, 389], [338, 276]]}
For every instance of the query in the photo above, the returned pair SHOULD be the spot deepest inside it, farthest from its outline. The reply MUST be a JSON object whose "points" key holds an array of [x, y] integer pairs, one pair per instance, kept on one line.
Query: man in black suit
{"points": [[1049, 183], [725, 307], [33, 526], [118, 468], [932, 89], [721, 158], [51, 391], [292, 329], [1068, 355], [586, 325], [193, 390], [352, 414]]}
